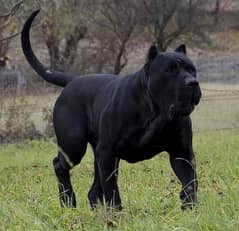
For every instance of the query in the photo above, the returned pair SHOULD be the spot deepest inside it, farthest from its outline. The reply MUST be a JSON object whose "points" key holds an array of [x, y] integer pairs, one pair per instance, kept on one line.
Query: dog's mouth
{"points": [[176, 110], [185, 104]]}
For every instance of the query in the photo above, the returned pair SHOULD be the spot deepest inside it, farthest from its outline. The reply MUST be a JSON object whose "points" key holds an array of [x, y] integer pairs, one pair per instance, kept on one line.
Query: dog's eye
{"points": [[172, 67]]}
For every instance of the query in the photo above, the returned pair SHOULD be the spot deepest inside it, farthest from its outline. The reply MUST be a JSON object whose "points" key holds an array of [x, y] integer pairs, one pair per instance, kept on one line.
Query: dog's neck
{"points": [[157, 121], [160, 110], [146, 94]]}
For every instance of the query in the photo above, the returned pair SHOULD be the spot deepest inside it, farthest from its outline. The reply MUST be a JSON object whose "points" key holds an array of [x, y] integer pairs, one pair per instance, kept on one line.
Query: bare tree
{"points": [[169, 19], [63, 28], [6, 25], [117, 20], [216, 12], [158, 14], [6, 17]]}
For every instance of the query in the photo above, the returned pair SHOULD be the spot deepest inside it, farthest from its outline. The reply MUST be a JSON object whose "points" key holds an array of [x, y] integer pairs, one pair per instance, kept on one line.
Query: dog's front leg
{"points": [[95, 194], [184, 167], [108, 170]]}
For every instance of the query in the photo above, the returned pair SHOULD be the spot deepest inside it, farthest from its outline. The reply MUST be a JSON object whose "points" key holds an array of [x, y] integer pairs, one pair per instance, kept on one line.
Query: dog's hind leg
{"points": [[62, 165], [95, 194], [62, 171], [71, 133]]}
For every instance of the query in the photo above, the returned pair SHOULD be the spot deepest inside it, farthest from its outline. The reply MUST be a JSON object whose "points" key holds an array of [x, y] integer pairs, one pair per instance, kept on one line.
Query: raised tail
{"points": [[51, 76]]}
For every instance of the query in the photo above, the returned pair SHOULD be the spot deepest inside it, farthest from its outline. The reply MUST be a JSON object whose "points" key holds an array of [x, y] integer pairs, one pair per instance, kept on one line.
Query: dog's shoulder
{"points": [[86, 89]]}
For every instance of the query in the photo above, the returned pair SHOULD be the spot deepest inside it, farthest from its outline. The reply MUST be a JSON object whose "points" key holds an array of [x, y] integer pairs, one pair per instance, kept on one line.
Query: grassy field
{"points": [[149, 190]]}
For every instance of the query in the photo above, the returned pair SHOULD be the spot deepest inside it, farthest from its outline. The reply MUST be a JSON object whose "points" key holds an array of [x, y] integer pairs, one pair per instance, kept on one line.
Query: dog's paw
{"points": [[188, 205]]}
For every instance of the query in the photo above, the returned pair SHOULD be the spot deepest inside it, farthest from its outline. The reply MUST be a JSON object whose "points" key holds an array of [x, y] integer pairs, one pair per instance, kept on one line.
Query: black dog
{"points": [[131, 118]]}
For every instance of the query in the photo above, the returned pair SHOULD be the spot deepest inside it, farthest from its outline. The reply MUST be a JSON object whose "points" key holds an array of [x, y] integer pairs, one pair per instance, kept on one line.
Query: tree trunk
{"points": [[160, 42], [71, 44], [118, 65], [52, 44], [216, 12], [63, 61], [190, 11]]}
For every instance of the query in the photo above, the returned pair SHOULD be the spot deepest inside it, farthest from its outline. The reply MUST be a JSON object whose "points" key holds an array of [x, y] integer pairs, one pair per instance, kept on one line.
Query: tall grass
{"points": [[149, 190]]}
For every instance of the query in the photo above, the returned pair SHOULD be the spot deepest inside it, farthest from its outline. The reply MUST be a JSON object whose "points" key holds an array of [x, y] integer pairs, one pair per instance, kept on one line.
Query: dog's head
{"points": [[172, 81]]}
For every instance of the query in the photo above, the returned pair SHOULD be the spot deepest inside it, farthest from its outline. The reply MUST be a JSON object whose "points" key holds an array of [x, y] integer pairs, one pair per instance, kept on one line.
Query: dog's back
{"points": [[85, 89]]}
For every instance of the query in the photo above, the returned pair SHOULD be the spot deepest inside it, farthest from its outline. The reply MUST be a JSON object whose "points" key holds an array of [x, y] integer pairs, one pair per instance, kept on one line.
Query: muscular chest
{"points": [[133, 150]]}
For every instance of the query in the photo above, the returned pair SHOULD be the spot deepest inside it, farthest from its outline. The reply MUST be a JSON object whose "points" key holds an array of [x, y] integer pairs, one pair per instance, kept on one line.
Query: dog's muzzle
{"points": [[189, 96], [193, 86]]}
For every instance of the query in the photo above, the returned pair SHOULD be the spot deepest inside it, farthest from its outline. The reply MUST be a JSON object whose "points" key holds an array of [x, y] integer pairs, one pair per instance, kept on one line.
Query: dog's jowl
{"points": [[130, 118]]}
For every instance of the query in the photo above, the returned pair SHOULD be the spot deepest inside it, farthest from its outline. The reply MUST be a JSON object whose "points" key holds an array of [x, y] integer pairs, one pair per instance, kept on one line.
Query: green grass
{"points": [[149, 190]]}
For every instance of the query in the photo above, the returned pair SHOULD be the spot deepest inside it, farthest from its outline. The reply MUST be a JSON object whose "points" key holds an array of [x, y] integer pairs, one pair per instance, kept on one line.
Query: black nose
{"points": [[191, 82]]}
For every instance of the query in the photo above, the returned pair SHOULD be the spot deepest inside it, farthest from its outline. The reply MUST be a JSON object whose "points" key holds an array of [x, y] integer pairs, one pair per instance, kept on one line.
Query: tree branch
{"points": [[14, 35], [10, 37], [13, 10]]}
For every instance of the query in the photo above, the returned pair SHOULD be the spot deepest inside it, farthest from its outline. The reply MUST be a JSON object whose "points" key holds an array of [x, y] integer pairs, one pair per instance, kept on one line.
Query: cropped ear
{"points": [[152, 53], [181, 49]]}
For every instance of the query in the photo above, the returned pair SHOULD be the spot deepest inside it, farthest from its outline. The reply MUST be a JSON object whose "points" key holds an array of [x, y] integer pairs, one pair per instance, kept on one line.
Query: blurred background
{"points": [[111, 36]]}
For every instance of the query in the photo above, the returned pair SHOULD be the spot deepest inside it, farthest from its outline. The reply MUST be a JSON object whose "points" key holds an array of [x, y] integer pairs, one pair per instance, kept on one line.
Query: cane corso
{"points": [[132, 118]]}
